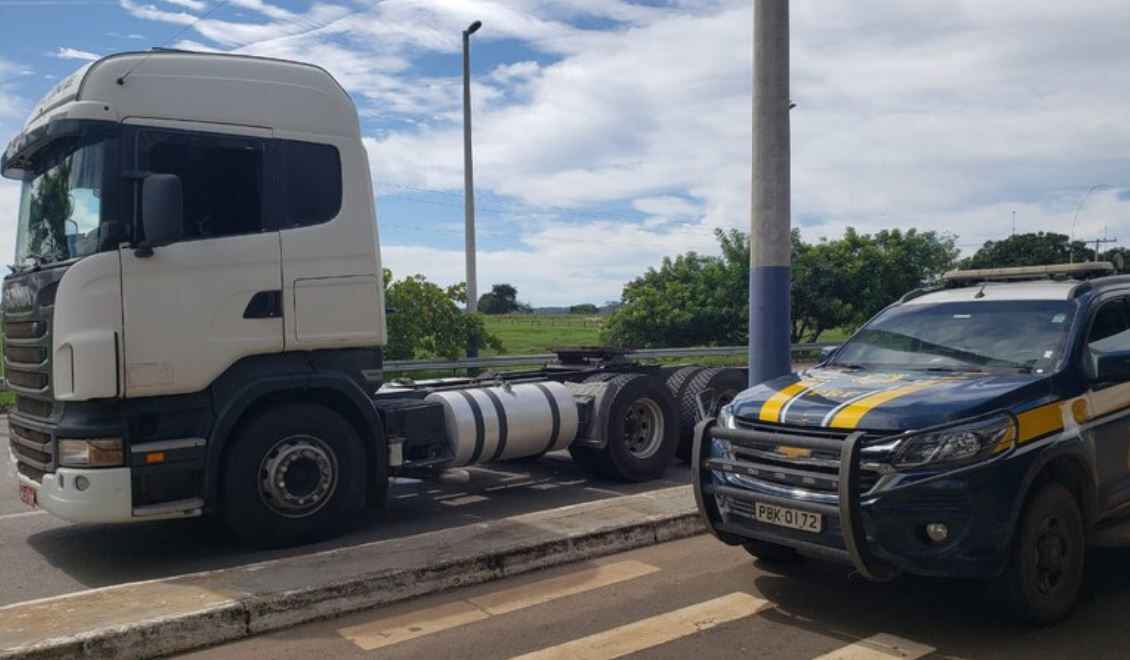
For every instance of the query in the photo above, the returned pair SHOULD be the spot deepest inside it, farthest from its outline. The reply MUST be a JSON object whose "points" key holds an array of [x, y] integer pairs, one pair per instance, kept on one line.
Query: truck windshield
{"points": [[61, 202], [1028, 335]]}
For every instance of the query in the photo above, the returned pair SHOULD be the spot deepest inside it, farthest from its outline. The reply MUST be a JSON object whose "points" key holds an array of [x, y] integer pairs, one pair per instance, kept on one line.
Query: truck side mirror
{"points": [[1109, 366], [162, 210]]}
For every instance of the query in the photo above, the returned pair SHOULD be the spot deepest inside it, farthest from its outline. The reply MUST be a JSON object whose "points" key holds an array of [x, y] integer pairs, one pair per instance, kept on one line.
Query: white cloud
{"points": [[12, 106], [940, 114], [194, 5], [64, 53]]}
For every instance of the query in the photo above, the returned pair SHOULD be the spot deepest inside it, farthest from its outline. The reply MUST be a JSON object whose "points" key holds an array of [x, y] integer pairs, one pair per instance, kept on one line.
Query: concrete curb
{"points": [[160, 617]]}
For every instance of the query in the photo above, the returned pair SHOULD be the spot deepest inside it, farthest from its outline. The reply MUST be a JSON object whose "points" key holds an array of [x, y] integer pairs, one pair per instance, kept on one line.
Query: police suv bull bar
{"points": [[847, 509]]}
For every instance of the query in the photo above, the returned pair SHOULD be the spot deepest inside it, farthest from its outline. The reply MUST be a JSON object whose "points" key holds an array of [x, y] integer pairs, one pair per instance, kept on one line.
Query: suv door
{"points": [[1107, 403], [188, 308]]}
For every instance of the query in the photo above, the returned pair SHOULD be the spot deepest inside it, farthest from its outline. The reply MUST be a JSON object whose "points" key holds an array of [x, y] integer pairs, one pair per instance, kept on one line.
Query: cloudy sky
{"points": [[611, 133]]}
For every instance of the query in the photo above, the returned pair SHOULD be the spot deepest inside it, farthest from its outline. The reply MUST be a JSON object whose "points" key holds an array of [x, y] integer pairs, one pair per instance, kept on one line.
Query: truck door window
{"points": [[1110, 329], [221, 177], [312, 181]]}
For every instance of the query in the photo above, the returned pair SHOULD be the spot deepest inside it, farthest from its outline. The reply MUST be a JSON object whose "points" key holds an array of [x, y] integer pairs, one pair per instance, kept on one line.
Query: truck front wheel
{"points": [[294, 473], [1045, 574]]}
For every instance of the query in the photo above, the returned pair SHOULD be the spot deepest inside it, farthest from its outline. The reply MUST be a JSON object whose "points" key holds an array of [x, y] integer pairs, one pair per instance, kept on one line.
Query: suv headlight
{"points": [[962, 443], [92, 452], [721, 448]]}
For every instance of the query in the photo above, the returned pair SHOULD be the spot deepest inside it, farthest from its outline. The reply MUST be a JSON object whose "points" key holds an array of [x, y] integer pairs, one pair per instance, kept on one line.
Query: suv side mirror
{"points": [[1109, 366], [162, 210], [827, 352]]}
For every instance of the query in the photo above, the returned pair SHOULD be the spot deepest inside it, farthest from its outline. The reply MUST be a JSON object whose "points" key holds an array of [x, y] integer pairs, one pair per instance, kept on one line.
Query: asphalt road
{"points": [[700, 599], [42, 556]]}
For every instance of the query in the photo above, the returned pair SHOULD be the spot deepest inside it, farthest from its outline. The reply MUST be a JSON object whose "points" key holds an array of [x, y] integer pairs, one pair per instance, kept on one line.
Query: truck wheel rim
{"points": [[298, 476], [643, 428]]}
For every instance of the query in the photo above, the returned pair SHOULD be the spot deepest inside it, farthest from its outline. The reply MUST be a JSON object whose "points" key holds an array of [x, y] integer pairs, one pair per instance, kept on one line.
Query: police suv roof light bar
{"points": [[1072, 271]]}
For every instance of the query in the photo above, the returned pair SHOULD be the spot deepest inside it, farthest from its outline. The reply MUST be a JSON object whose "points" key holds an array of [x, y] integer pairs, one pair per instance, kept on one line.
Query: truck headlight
{"points": [[92, 452], [963, 443]]}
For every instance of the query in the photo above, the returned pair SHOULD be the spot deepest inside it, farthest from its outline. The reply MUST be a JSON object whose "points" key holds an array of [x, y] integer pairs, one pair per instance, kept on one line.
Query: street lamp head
{"points": [[472, 28]]}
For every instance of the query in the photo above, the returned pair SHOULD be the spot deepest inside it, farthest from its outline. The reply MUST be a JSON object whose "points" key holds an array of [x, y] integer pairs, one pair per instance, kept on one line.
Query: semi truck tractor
{"points": [[194, 321]]}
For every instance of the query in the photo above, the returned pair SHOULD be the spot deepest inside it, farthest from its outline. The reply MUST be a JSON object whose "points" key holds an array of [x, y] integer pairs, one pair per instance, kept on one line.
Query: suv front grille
{"points": [[815, 470]]}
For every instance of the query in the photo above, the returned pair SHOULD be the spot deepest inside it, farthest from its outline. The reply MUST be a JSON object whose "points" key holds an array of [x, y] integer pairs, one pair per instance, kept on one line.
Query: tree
{"points": [[502, 299], [695, 300], [586, 308], [1118, 256], [691, 299], [426, 323], [1034, 249]]}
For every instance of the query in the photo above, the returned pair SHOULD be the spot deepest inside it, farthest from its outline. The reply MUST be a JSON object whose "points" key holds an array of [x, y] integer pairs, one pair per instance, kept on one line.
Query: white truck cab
{"points": [[195, 316]]}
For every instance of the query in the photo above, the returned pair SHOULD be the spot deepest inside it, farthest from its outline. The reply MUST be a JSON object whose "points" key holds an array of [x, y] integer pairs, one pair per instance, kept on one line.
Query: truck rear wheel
{"points": [[724, 382], [1045, 572], [641, 428], [294, 473]]}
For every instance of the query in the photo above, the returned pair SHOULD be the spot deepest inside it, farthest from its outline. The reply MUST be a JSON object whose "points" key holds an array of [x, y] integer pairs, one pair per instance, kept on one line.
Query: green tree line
{"points": [[694, 299]]}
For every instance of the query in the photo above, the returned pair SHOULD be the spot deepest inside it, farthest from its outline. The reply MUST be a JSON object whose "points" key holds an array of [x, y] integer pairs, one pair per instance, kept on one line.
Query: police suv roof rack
{"points": [[1079, 271]]}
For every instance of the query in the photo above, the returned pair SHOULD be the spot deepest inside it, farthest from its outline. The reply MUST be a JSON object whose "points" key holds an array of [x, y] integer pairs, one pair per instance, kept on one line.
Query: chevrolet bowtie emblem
{"points": [[794, 452]]}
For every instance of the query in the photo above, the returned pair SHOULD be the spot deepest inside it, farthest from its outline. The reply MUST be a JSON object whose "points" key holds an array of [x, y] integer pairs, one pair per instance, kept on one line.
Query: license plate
{"points": [[791, 518], [28, 496]]}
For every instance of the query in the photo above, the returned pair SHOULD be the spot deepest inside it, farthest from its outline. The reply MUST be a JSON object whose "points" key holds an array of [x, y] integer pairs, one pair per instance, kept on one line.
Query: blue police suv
{"points": [[977, 429]]}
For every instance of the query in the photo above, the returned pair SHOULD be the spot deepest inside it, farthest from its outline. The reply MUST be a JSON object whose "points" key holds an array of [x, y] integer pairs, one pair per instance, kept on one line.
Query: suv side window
{"points": [[221, 176], [312, 181], [1110, 329]]}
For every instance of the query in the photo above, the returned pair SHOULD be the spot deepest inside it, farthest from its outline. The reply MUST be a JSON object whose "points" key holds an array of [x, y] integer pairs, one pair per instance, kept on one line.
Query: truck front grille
{"points": [[34, 407], [34, 450], [28, 308]]}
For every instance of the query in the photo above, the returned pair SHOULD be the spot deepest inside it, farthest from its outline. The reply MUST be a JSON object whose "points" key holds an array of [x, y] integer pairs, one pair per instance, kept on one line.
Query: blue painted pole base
{"points": [[769, 323]]}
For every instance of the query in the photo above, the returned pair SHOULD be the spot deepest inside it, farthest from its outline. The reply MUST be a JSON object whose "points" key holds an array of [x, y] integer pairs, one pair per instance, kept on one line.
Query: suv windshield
{"points": [[1029, 335], [61, 203]]}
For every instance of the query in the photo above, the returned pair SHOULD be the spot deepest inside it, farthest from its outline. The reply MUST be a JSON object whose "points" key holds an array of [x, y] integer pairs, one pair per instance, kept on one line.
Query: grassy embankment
{"points": [[523, 334]]}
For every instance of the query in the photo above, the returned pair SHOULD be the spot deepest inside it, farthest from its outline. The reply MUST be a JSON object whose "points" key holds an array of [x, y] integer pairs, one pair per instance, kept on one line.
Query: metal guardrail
{"points": [[545, 358]]}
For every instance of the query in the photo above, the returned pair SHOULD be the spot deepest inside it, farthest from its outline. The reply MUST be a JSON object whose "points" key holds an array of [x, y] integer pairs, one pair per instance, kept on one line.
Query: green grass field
{"points": [[524, 334]]}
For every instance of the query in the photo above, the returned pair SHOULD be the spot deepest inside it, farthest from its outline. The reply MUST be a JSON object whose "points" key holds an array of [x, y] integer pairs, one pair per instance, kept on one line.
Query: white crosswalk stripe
{"points": [[393, 630], [654, 631], [880, 647]]}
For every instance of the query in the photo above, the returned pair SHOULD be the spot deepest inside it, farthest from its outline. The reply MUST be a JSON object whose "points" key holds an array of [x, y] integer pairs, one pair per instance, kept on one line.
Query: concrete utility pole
{"points": [[769, 233], [469, 182]]}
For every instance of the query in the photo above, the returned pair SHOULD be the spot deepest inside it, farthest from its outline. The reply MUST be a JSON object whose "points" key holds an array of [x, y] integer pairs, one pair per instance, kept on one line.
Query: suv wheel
{"points": [[1045, 574]]}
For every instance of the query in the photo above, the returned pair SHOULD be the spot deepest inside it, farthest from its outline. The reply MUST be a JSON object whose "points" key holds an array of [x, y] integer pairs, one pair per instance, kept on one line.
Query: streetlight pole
{"points": [[469, 183], [770, 234]]}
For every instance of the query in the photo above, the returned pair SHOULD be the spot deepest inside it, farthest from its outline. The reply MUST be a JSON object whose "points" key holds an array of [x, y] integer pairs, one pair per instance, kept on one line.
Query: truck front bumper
{"points": [[880, 533], [102, 495]]}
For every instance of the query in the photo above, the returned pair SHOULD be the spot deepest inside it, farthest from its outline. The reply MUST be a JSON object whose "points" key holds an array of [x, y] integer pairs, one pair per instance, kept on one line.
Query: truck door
{"points": [[1108, 403], [193, 308]]}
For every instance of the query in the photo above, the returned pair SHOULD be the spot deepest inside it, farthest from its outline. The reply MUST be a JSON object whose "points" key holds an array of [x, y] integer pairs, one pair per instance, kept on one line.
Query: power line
{"points": [[186, 28]]}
